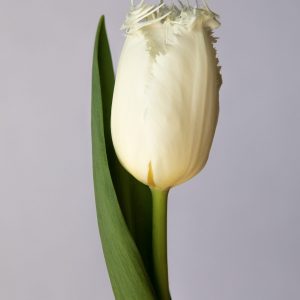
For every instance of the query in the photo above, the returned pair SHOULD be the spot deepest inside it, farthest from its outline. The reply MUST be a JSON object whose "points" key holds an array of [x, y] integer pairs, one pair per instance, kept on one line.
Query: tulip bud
{"points": [[166, 97]]}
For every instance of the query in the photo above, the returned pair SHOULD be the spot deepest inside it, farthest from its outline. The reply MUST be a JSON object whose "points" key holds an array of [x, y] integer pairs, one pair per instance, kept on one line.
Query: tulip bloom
{"points": [[166, 97]]}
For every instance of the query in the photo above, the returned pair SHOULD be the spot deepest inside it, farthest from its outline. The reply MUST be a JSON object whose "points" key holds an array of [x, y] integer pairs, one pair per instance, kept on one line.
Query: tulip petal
{"points": [[166, 98]]}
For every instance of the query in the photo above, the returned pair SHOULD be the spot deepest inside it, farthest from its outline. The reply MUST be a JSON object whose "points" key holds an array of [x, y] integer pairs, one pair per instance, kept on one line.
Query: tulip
{"points": [[166, 97], [165, 105]]}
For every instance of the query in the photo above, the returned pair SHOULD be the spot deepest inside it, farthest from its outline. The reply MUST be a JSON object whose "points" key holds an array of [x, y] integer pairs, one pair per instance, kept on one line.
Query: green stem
{"points": [[159, 243]]}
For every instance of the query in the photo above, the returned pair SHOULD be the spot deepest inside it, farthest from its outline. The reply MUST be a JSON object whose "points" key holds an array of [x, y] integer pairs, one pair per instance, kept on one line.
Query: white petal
{"points": [[165, 104]]}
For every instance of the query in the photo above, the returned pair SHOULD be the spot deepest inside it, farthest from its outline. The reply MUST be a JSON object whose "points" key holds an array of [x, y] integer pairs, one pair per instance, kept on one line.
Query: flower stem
{"points": [[159, 243]]}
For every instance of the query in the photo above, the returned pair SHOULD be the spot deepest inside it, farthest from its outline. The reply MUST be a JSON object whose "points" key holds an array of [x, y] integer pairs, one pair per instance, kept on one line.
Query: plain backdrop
{"points": [[234, 230]]}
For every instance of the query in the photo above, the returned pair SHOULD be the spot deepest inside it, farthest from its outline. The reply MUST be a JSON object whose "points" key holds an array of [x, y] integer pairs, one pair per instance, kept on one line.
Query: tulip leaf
{"points": [[123, 204]]}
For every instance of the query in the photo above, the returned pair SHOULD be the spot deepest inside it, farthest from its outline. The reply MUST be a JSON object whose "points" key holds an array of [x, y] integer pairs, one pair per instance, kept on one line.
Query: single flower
{"points": [[166, 96]]}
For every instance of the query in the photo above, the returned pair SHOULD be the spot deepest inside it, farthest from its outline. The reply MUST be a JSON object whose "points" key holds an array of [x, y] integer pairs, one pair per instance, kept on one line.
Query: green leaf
{"points": [[124, 208]]}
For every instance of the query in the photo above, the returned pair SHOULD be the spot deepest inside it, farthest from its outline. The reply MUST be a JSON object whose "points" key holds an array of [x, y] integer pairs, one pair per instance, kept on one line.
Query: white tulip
{"points": [[166, 97]]}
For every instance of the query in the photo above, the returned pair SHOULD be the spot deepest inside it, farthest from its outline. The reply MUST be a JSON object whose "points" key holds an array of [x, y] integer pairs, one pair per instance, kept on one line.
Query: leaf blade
{"points": [[127, 272]]}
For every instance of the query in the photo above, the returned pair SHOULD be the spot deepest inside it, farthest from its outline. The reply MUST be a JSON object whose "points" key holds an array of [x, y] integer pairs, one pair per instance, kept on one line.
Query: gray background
{"points": [[234, 230]]}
